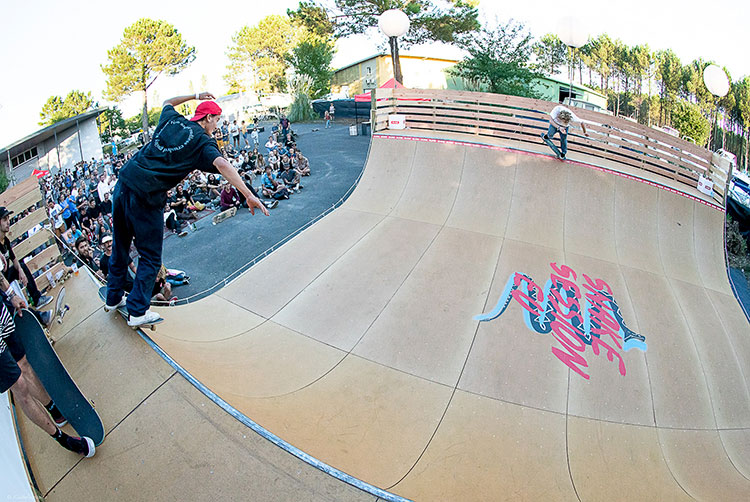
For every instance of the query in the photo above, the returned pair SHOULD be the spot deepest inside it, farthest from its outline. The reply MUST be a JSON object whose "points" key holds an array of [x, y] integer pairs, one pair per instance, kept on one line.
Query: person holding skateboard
{"points": [[17, 375], [179, 146], [560, 120]]}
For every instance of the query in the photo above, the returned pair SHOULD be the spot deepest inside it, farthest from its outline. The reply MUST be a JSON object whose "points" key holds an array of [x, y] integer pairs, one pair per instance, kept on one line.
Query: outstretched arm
{"points": [[178, 100], [230, 173]]}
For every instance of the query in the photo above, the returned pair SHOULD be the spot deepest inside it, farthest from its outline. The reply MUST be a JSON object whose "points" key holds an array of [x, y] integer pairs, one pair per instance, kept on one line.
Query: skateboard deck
{"points": [[60, 386], [553, 147], [224, 215], [60, 307], [124, 312]]}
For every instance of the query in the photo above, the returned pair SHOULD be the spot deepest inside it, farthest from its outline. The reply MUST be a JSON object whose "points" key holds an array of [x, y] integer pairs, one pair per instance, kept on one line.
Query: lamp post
{"points": [[717, 84], [570, 33], [394, 23]]}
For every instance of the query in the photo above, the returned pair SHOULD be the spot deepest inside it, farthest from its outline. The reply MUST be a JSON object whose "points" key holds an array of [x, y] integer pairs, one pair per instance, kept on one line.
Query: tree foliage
{"points": [[262, 50], [431, 20], [111, 124], [499, 60], [57, 108], [688, 119], [550, 53], [312, 58], [148, 49]]}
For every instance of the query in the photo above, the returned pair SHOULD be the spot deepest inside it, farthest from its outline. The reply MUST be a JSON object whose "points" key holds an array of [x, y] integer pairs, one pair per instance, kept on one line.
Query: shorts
{"points": [[9, 371], [15, 347]]}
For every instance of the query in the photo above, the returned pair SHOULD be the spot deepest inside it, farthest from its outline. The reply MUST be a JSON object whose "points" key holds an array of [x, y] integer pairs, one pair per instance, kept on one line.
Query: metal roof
{"points": [[46, 133]]}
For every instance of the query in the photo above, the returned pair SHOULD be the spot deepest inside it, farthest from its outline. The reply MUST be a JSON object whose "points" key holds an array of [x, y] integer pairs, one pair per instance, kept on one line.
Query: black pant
{"points": [[12, 275]]}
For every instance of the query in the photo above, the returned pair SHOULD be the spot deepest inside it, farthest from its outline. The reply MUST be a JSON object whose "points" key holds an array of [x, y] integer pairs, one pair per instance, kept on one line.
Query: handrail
{"points": [[523, 119]]}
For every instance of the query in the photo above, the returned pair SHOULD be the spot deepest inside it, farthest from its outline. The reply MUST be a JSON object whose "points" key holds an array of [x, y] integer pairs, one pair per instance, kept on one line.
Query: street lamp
{"points": [[394, 23], [717, 84], [570, 33]]}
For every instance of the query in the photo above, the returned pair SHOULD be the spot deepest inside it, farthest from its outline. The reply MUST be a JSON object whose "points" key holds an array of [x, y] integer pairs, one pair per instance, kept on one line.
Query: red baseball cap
{"points": [[206, 108]]}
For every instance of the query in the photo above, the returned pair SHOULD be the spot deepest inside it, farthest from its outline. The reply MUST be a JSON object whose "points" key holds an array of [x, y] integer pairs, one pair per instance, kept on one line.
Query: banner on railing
{"points": [[705, 185], [396, 122]]}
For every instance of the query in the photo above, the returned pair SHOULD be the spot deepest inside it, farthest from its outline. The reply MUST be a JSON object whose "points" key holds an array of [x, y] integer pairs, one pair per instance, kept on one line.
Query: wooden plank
{"points": [[40, 260], [25, 224], [25, 201], [25, 247], [41, 282], [19, 190]]}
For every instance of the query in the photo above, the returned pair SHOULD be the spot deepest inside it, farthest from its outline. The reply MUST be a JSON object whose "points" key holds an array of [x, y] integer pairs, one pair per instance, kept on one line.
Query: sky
{"points": [[49, 48]]}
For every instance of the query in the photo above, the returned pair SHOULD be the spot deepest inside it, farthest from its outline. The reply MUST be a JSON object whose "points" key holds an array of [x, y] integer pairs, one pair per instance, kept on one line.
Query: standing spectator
{"points": [[332, 111], [15, 269], [102, 187], [327, 118], [284, 124], [254, 136], [225, 133], [235, 132], [55, 215]]}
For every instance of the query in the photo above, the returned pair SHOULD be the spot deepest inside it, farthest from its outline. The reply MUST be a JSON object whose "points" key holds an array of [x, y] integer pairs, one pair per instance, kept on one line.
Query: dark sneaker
{"points": [[272, 204], [83, 445], [43, 300]]}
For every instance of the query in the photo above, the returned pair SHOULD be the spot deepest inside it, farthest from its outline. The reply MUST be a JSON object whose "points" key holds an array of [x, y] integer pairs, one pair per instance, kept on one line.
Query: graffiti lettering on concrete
{"points": [[576, 316]]}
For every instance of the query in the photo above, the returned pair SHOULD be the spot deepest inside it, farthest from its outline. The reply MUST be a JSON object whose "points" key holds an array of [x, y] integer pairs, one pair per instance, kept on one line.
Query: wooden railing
{"points": [[513, 118], [31, 243]]}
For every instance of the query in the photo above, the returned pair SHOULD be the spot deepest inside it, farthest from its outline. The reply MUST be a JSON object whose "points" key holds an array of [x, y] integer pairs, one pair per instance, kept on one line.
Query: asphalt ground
{"points": [[214, 253]]}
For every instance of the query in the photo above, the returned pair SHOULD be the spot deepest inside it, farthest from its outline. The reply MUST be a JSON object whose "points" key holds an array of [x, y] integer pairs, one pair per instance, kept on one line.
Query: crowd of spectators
{"points": [[80, 207]]}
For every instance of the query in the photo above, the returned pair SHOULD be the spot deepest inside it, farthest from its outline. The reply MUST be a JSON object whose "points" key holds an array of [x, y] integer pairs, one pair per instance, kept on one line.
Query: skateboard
{"points": [[62, 389], [224, 215], [553, 147], [124, 313], [60, 307]]}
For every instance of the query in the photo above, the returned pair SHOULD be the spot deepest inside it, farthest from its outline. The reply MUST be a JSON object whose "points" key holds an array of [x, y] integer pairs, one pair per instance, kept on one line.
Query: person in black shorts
{"points": [[179, 147], [16, 374]]}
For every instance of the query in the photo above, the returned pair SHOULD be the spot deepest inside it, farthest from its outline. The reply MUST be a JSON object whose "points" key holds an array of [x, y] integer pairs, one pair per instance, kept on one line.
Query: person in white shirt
{"points": [[102, 187], [235, 132], [560, 120]]}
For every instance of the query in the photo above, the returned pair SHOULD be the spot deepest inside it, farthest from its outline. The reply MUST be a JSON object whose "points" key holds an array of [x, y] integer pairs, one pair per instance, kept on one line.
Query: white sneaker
{"points": [[148, 318], [108, 308]]}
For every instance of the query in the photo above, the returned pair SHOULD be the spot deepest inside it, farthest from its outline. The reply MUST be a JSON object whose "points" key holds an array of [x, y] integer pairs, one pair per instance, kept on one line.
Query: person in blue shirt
{"points": [[271, 187], [179, 146]]}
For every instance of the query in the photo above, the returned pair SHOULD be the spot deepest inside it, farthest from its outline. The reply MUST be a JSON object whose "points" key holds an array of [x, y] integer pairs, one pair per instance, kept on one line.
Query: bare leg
{"points": [[35, 386], [31, 406]]}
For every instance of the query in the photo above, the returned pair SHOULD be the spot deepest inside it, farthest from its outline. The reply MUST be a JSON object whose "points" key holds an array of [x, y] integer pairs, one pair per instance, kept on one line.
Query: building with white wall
{"points": [[55, 147]]}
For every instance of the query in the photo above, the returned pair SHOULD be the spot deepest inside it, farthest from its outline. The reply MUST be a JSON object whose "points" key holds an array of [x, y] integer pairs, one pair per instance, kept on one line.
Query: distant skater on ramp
{"points": [[179, 146], [560, 119]]}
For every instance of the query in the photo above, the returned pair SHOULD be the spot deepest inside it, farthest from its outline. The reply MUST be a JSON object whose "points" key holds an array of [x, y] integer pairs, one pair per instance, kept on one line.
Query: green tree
{"points": [[431, 20], [57, 108], [147, 50], [499, 60], [262, 50], [669, 78], [312, 58], [741, 114], [111, 124], [314, 18], [550, 53], [688, 119]]}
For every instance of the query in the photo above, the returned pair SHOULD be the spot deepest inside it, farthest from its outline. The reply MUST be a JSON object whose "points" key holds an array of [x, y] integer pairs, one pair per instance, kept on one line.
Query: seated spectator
{"points": [[229, 197], [72, 235], [192, 205], [177, 277], [162, 291], [171, 222], [290, 177], [302, 165], [86, 255], [104, 262], [102, 228], [271, 188], [106, 206], [213, 186], [177, 201]]}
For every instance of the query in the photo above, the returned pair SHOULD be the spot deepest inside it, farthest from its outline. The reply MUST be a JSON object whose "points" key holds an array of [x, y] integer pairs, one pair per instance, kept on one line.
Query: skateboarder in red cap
{"points": [[179, 146]]}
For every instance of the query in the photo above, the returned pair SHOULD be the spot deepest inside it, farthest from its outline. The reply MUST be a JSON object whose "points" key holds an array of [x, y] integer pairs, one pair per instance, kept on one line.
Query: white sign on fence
{"points": [[396, 122], [705, 185]]}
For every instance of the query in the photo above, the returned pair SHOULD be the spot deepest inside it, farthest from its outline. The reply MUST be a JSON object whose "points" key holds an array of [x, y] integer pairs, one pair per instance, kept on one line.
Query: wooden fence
{"points": [[31, 241], [522, 119]]}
